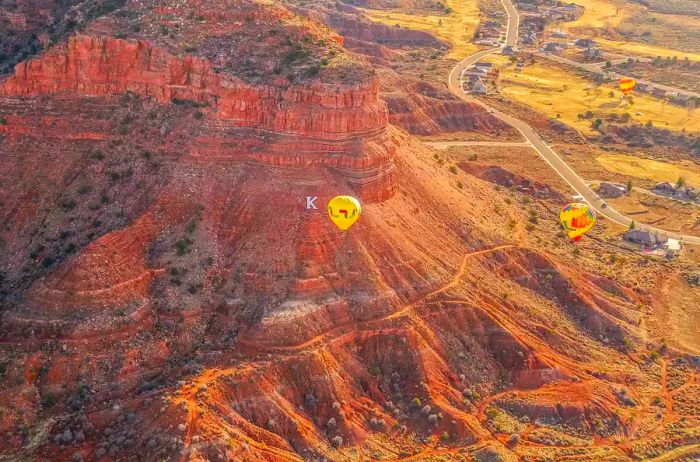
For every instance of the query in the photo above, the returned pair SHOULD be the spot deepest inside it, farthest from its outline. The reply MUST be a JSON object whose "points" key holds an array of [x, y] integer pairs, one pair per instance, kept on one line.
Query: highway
{"points": [[538, 144]]}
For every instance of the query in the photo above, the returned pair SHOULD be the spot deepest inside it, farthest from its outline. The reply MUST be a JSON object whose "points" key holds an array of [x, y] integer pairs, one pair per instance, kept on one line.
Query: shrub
{"points": [[183, 246], [514, 439], [68, 203]]}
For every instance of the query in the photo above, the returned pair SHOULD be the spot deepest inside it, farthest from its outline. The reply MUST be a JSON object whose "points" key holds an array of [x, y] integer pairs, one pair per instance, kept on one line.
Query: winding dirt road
{"points": [[533, 138]]}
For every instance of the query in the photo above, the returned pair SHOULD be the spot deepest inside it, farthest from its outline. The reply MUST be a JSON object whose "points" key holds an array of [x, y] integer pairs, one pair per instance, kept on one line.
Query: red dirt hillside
{"points": [[166, 295]]}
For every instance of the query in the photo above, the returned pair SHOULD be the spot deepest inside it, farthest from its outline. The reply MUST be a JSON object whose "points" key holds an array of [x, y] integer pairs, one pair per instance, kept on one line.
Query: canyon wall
{"points": [[97, 66]]}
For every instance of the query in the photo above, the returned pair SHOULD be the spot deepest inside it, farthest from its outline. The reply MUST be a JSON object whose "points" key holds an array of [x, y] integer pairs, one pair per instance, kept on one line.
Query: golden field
{"points": [[553, 91], [457, 28]]}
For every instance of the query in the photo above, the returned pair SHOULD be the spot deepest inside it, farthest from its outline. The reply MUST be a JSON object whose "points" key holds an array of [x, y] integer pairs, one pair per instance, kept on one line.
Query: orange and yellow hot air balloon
{"points": [[577, 219], [627, 85]]}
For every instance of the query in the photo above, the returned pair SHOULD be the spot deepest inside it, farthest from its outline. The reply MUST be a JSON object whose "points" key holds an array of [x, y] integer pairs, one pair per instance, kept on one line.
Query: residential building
{"points": [[611, 190], [645, 238]]}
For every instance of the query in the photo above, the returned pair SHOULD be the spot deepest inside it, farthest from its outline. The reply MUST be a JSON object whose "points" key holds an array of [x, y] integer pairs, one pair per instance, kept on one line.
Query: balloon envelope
{"points": [[344, 211], [577, 219], [627, 84]]}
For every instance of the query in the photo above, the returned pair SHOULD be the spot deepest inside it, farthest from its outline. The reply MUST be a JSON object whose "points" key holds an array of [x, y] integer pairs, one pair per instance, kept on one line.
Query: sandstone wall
{"points": [[97, 66]]}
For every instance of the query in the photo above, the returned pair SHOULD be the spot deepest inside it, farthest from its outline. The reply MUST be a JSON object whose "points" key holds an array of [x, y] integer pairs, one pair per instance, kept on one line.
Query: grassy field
{"points": [[457, 28], [643, 49], [651, 169], [551, 90], [608, 15], [598, 14]]}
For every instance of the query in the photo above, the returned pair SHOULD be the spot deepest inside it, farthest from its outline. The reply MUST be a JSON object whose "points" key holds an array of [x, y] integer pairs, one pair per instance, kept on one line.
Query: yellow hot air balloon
{"points": [[577, 219], [627, 84], [344, 211]]}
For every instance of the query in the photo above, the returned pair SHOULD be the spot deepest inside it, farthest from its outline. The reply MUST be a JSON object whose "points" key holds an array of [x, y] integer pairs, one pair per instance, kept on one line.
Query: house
{"points": [[592, 53], [554, 47], [664, 188], [644, 87], [529, 39], [483, 65], [508, 51], [659, 93], [478, 88], [559, 34], [645, 238], [685, 193], [527, 7], [585, 43], [479, 71], [472, 77], [682, 99], [611, 190]]}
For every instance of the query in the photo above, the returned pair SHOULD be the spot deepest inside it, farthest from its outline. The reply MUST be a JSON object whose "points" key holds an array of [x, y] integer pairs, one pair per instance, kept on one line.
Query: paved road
{"points": [[546, 152], [598, 67], [449, 144]]}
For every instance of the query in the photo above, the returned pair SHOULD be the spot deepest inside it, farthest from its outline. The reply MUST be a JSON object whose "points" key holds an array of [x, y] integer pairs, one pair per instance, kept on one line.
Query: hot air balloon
{"points": [[344, 211], [627, 84], [577, 219]]}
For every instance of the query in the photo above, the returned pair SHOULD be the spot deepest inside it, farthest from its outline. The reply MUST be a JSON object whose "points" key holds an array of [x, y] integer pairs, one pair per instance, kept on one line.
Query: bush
{"points": [[514, 439], [68, 204]]}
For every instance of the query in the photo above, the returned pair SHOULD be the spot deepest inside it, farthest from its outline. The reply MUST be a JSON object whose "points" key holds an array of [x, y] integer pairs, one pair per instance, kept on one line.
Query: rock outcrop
{"points": [[99, 66]]}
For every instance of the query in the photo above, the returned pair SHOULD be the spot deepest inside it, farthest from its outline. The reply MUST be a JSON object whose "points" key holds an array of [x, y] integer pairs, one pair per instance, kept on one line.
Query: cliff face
{"points": [[98, 66]]}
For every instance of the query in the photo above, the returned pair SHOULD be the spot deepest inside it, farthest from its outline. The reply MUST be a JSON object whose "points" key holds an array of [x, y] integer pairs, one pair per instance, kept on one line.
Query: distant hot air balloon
{"points": [[577, 219], [344, 211], [627, 84]]}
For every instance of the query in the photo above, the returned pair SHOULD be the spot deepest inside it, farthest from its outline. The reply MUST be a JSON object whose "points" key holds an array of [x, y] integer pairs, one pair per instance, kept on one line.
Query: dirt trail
{"points": [[406, 310]]}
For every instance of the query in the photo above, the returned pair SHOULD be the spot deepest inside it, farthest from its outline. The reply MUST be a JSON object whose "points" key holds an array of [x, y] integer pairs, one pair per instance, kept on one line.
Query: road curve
{"points": [[531, 136]]}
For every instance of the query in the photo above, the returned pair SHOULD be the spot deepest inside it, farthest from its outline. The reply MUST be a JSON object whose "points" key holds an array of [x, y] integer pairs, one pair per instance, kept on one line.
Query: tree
{"points": [[629, 186], [680, 182], [611, 95], [633, 225]]}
